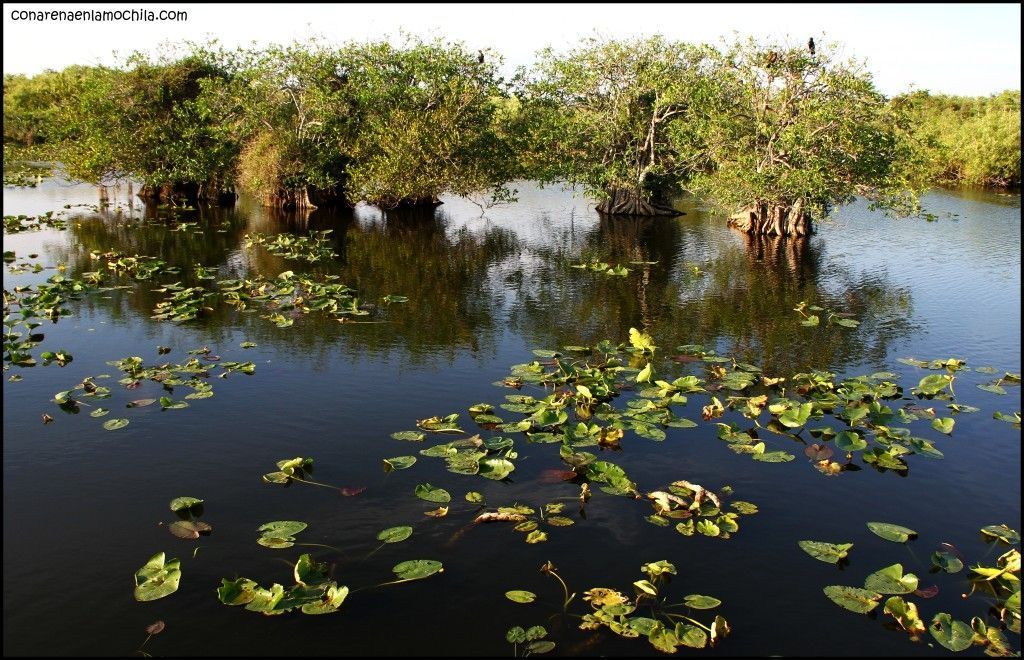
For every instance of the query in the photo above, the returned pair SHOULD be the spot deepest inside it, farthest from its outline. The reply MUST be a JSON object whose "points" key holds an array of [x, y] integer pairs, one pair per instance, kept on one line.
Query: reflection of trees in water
{"points": [[742, 303], [444, 274]]}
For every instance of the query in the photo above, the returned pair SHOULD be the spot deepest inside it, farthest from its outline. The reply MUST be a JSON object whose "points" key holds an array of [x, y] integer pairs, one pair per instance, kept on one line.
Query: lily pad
{"points": [[830, 553], [399, 463], [115, 424], [158, 578], [891, 532], [182, 503], [282, 528], [432, 494], [188, 529], [520, 596], [417, 569], [411, 436], [699, 602], [891, 580], [947, 561], [944, 424], [536, 536], [857, 600], [1002, 533], [953, 634], [395, 534]]}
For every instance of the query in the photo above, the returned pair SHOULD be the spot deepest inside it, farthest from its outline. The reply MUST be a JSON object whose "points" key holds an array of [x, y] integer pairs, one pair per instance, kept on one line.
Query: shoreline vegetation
{"points": [[775, 135]]}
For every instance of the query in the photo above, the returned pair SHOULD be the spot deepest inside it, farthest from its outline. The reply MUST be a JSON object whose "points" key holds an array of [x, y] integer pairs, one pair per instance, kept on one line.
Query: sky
{"points": [[970, 49]]}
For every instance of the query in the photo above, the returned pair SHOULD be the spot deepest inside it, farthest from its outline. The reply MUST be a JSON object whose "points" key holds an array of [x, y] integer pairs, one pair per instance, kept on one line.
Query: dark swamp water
{"points": [[82, 505]]}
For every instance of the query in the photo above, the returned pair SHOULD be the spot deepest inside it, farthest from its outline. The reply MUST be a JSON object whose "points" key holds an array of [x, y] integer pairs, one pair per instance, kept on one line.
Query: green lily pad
{"points": [[891, 532], [432, 494], [282, 528], [411, 436], [1002, 533], [857, 600], [520, 596], [399, 463], [745, 508], [947, 562], [830, 553], [417, 569], [181, 503], [953, 634], [308, 571], [496, 468], [891, 580], [943, 424], [276, 542], [699, 602], [330, 602], [536, 536], [158, 578], [395, 534], [115, 424], [236, 592], [850, 441]]}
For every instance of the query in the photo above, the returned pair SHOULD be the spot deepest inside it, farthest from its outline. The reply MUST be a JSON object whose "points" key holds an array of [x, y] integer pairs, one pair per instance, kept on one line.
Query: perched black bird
{"points": [[810, 45], [480, 56]]}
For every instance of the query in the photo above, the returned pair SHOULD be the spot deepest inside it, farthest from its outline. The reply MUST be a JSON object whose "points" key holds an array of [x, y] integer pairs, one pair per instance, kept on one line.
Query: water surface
{"points": [[82, 505]]}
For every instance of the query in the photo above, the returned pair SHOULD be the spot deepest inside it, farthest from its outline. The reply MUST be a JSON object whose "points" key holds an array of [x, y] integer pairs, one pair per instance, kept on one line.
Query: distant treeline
{"points": [[776, 133], [968, 140]]}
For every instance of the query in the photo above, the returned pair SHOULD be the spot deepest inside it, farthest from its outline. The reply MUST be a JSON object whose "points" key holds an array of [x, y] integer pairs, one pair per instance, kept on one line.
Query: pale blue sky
{"points": [[958, 49]]}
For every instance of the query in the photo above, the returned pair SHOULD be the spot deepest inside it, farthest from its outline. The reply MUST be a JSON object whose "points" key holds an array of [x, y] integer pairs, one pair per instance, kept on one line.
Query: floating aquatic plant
{"points": [[312, 592], [157, 578]]}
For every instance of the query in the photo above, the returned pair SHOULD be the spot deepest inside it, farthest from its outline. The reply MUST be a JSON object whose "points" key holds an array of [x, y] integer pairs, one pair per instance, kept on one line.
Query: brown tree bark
{"points": [[306, 198], [189, 192], [773, 220], [620, 201]]}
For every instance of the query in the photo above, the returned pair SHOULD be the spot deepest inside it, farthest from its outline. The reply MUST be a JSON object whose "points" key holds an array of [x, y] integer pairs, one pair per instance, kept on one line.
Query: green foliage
{"points": [[164, 121], [615, 115], [300, 114], [429, 123], [795, 130], [967, 140], [31, 104]]}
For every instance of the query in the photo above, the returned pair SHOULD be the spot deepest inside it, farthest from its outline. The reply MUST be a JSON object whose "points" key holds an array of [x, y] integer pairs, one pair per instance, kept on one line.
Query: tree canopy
{"points": [[794, 133], [169, 122], [429, 116], [618, 118], [775, 134]]}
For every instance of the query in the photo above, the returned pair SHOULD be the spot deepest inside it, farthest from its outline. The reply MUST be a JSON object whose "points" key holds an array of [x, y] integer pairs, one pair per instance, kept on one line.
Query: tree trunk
{"points": [[305, 198], [773, 220], [621, 201], [189, 192]]}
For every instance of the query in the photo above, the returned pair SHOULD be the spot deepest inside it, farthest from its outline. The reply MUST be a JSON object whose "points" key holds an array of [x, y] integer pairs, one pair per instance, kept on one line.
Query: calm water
{"points": [[82, 505]]}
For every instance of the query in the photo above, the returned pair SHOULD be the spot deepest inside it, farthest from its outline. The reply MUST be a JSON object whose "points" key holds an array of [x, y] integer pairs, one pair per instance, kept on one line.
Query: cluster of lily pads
{"points": [[14, 224], [313, 592], [1000, 584], [288, 296], [27, 307], [604, 268], [193, 374], [666, 629], [832, 317], [312, 248]]}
